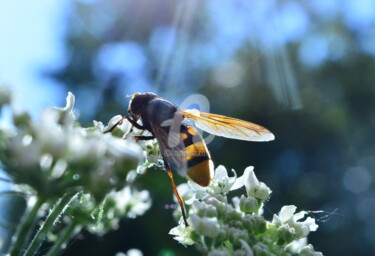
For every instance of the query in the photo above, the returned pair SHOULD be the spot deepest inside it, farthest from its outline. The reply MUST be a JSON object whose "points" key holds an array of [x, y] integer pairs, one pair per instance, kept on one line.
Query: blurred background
{"points": [[303, 69]]}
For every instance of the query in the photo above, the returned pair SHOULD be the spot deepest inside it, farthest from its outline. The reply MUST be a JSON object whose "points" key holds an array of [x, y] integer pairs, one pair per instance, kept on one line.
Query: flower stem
{"points": [[63, 238], [47, 226], [25, 228]]}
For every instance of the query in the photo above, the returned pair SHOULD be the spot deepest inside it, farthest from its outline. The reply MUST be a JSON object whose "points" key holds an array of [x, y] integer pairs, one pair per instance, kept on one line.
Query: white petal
{"points": [[113, 121], [232, 180], [311, 223], [276, 219], [296, 245], [252, 179], [287, 212], [174, 231], [220, 173], [70, 100], [309, 250], [190, 200], [303, 230], [238, 183], [99, 125], [299, 215], [195, 187], [262, 191]]}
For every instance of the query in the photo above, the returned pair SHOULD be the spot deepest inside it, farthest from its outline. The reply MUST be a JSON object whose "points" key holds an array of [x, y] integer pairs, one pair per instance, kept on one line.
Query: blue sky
{"points": [[31, 41]]}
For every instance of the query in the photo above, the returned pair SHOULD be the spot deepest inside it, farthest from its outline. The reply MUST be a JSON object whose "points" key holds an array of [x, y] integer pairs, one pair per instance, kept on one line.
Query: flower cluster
{"points": [[82, 175], [98, 219], [220, 227], [55, 155]]}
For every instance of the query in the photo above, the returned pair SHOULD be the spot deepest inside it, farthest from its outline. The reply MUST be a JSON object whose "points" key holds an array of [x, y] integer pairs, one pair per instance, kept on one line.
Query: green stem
{"points": [[47, 226], [25, 228], [63, 238]]}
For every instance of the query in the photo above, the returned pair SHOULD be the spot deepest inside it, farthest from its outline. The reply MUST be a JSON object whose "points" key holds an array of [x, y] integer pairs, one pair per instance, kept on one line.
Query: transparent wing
{"points": [[228, 127], [171, 148]]}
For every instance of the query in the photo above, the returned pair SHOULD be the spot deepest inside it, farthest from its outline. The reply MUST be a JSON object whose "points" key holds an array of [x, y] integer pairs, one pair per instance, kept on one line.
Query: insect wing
{"points": [[171, 148], [229, 127]]}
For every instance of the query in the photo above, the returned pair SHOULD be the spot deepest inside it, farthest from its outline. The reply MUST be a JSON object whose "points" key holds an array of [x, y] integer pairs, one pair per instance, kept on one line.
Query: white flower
{"points": [[286, 216], [151, 151], [254, 187], [123, 149], [220, 184], [186, 193], [124, 127], [131, 202], [295, 246], [100, 127], [182, 234], [26, 150], [308, 250], [66, 115]]}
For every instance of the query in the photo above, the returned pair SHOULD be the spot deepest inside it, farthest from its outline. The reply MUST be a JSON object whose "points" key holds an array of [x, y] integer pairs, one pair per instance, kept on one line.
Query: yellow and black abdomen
{"points": [[199, 164]]}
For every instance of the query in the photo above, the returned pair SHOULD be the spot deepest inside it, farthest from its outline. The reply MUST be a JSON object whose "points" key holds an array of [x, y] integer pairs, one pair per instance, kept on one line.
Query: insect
{"points": [[181, 146]]}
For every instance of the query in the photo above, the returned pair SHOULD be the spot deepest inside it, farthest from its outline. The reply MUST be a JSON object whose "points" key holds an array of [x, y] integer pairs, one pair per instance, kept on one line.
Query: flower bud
{"points": [[248, 204], [285, 235], [222, 236], [255, 224], [220, 206], [205, 226], [236, 235], [231, 215], [260, 249], [21, 119]]}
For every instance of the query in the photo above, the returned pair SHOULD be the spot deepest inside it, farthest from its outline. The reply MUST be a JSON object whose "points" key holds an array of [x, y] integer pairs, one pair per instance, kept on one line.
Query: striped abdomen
{"points": [[199, 164]]}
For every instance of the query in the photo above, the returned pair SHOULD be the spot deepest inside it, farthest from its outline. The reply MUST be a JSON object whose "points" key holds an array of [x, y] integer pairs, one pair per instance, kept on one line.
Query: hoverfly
{"points": [[181, 146]]}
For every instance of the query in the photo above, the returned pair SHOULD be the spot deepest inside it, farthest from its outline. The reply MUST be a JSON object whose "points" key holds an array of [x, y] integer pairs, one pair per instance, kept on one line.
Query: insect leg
{"points": [[177, 196], [134, 123], [143, 137]]}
